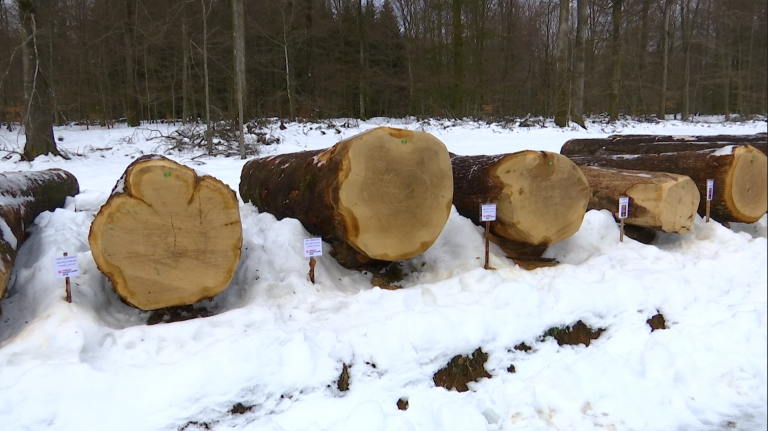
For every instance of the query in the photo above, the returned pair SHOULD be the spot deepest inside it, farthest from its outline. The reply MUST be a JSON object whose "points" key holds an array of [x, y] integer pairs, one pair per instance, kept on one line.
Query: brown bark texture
{"points": [[541, 197], [166, 236], [739, 174], [23, 196], [657, 144], [657, 200], [384, 194]]}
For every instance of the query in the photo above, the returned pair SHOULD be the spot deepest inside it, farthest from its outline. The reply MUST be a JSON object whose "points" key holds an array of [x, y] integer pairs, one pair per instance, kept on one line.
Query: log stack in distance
{"points": [[167, 236], [23, 196], [741, 188], [540, 198], [384, 194], [658, 201]]}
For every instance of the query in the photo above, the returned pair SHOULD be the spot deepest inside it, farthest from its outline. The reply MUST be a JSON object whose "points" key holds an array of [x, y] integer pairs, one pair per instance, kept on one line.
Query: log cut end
{"points": [[543, 200], [746, 185], [396, 189], [167, 237], [669, 203]]}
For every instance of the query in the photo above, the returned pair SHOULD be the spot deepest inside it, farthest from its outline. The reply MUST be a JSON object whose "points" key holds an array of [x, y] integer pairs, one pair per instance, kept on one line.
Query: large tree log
{"points": [[23, 196], [741, 192], [657, 144], [384, 194], [166, 236], [660, 201], [540, 197]]}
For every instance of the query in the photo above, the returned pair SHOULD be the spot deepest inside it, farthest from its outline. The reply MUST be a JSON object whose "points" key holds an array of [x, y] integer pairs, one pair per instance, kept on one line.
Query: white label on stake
{"points": [[623, 207], [66, 266], [710, 189], [487, 212], [313, 247]]}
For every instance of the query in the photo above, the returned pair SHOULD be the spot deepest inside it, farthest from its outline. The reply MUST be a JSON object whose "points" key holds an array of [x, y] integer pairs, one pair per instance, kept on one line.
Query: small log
{"points": [[381, 195], [657, 144], [540, 198], [166, 236], [660, 201], [741, 192], [23, 196]]}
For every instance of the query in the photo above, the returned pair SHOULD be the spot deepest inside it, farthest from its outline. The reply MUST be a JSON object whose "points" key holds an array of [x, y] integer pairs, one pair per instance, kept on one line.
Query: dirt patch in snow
{"points": [[462, 370]]}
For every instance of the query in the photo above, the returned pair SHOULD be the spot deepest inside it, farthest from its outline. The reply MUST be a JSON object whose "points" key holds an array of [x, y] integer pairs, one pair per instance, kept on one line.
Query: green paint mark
{"points": [[167, 174], [550, 163], [405, 141]]}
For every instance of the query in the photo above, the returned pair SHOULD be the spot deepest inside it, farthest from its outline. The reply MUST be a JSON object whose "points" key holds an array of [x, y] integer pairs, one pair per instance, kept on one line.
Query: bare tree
{"points": [[578, 67], [613, 96], [664, 57], [238, 34]]}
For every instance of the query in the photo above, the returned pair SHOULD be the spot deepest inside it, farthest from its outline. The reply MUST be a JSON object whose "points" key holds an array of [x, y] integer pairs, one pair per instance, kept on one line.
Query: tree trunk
{"points": [[131, 98], [37, 115], [739, 174], [458, 60], [578, 67], [361, 77], [208, 126], [686, 26], [186, 97], [24, 196], [613, 96], [166, 236], [238, 30], [561, 104], [657, 144], [384, 194], [664, 58], [660, 201], [540, 197]]}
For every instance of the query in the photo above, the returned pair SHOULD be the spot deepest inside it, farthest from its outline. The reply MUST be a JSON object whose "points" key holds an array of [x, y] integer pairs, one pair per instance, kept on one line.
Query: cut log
{"points": [[540, 197], [660, 201], [384, 194], [741, 192], [166, 236], [657, 144], [23, 196]]}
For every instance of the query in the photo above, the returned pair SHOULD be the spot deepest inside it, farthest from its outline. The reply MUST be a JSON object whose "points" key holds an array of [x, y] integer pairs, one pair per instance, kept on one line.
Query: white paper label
{"points": [[66, 266], [623, 207], [710, 189], [313, 247], [487, 212]]}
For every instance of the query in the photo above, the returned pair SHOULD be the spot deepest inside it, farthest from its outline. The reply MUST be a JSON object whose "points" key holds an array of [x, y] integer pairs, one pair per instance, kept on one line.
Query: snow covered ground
{"points": [[277, 343]]}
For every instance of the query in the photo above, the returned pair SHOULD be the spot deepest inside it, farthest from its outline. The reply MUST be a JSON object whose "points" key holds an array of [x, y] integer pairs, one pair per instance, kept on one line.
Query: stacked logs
{"points": [[739, 171]]}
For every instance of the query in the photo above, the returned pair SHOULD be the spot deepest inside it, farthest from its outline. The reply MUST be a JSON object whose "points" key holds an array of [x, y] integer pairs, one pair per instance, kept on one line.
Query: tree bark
{"points": [[458, 59], [664, 58], [613, 96], [208, 126], [657, 144], [561, 104], [131, 99], [238, 34], [540, 197], [166, 236], [186, 115], [660, 201], [38, 126], [23, 196], [739, 174], [578, 68], [384, 194]]}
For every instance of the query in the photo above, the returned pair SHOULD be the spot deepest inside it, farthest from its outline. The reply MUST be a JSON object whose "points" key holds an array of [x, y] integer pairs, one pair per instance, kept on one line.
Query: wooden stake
{"points": [[708, 203], [487, 246], [621, 229], [312, 263], [69, 291]]}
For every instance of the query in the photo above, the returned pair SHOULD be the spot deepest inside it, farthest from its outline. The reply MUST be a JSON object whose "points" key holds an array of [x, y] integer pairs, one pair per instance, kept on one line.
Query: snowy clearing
{"points": [[270, 355]]}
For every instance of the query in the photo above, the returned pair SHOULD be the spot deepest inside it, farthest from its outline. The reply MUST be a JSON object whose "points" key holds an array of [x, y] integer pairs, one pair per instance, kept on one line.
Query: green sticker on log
{"points": [[550, 163], [405, 141], [167, 174]]}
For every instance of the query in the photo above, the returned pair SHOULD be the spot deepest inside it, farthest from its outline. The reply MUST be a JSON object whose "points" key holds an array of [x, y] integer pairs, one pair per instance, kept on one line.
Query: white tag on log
{"points": [[710, 189], [313, 247], [487, 212], [623, 207], [66, 266]]}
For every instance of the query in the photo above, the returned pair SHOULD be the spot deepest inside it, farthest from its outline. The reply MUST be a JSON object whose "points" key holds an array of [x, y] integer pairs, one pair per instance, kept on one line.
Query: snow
{"points": [[724, 151], [277, 342], [7, 234]]}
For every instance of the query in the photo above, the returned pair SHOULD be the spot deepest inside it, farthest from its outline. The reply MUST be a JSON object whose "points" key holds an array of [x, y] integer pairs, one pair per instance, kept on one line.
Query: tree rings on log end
{"points": [[543, 200], [746, 186], [169, 238], [668, 202], [396, 190]]}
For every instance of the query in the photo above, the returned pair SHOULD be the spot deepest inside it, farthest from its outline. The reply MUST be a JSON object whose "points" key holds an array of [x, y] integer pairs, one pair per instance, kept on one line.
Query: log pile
{"points": [[739, 171], [23, 196], [167, 236], [540, 198], [382, 195], [657, 144]]}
